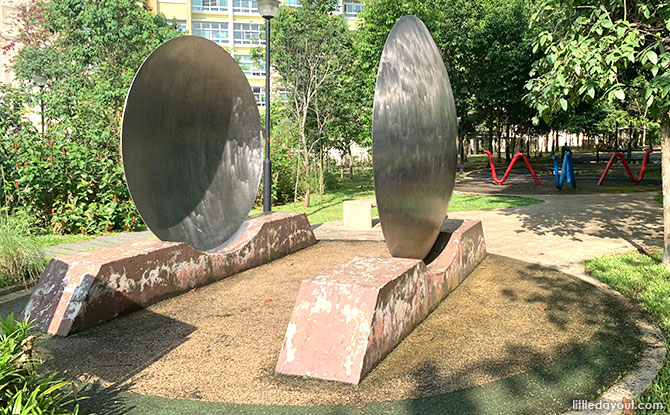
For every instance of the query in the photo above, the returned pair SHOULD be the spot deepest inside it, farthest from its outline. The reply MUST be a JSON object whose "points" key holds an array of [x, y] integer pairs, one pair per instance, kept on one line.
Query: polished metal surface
{"points": [[192, 144], [414, 136]]}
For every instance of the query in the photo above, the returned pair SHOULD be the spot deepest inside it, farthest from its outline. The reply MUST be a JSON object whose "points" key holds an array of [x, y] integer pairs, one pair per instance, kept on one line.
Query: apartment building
{"points": [[9, 45], [237, 27]]}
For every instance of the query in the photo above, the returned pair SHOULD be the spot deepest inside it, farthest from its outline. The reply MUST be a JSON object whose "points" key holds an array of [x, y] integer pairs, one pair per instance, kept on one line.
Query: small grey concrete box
{"points": [[357, 214]]}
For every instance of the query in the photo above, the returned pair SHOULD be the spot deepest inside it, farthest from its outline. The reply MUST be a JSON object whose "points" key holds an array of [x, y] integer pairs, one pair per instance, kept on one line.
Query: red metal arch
{"points": [[625, 165], [509, 168]]}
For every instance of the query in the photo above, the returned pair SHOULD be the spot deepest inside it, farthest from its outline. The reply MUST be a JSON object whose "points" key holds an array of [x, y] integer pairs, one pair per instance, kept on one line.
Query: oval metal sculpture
{"points": [[414, 140], [192, 143]]}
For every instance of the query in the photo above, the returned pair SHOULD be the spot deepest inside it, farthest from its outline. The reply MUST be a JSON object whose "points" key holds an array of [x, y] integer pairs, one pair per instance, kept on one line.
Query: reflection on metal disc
{"points": [[192, 143], [414, 140]]}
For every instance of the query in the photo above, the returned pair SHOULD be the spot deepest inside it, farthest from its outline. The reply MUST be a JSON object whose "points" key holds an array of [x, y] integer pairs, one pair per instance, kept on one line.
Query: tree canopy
{"points": [[612, 51]]}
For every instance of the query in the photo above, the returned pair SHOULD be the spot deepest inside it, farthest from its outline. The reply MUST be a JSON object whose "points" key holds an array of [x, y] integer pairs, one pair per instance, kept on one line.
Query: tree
{"points": [[485, 45], [310, 50], [610, 50], [89, 51]]}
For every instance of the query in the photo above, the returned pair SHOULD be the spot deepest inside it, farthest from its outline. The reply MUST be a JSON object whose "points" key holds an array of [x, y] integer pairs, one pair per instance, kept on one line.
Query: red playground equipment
{"points": [[625, 165], [509, 168]]}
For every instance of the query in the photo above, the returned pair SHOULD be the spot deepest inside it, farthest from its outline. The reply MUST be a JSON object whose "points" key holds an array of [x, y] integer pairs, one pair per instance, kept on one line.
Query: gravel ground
{"points": [[220, 343]]}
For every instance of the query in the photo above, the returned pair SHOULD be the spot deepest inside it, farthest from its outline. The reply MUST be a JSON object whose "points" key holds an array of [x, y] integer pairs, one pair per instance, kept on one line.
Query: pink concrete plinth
{"points": [[82, 290], [349, 318]]}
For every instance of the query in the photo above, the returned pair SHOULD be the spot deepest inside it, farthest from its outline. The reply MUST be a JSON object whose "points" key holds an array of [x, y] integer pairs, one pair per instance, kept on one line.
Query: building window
{"points": [[180, 25], [216, 32], [250, 67], [352, 8], [248, 34], [259, 94], [292, 3], [244, 6], [210, 5]]}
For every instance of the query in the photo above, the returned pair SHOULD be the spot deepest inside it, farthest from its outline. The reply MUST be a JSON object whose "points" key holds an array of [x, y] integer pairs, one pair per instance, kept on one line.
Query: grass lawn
{"points": [[659, 198], [329, 207], [643, 278], [43, 241]]}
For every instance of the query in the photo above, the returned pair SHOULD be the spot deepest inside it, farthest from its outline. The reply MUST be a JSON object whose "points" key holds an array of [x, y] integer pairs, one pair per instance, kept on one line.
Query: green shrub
{"points": [[21, 260], [22, 389], [66, 183]]}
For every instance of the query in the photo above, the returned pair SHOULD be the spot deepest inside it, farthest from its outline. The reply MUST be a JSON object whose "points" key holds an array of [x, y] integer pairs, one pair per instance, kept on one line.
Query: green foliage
{"points": [[21, 261], [601, 49], [89, 51], [64, 184], [313, 53], [285, 159], [23, 391], [71, 180], [486, 46], [644, 278]]}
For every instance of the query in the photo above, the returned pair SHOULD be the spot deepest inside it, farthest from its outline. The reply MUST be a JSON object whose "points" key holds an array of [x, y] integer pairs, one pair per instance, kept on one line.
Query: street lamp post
{"points": [[268, 9], [41, 82]]}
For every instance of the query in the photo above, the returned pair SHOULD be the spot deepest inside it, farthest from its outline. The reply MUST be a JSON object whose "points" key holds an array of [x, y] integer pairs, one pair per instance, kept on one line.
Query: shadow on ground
{"points": [[106, 356], [636, 219], [14, 300], [583, 369]]}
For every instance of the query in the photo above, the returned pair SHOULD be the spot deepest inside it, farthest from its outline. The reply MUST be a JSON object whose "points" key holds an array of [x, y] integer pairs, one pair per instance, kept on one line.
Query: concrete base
{"points": [[83, 290], [349, 318]]}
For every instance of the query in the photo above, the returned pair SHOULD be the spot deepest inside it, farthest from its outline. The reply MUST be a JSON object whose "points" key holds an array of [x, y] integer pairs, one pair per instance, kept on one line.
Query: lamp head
{"points": [[40, 81], [268, 8]]}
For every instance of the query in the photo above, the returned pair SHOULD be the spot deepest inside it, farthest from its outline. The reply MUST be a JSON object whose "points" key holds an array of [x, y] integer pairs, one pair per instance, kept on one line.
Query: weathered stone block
{"points": [[349, 318], [82, 290]]}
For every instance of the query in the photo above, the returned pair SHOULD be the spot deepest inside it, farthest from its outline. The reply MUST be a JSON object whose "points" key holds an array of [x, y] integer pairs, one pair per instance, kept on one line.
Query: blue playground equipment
{"points": [[567, 171]]}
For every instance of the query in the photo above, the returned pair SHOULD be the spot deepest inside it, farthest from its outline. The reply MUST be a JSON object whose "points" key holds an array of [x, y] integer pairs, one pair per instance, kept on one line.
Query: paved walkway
{"points": [[561, 233], [569, 229]]}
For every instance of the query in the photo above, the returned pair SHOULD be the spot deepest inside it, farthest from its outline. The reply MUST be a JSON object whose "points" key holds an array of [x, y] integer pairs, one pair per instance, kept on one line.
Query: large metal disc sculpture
{"points": [[414, 140], [192, 143]]}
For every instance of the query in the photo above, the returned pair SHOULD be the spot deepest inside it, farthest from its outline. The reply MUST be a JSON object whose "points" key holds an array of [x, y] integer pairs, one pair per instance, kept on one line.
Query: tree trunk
{"points": [[508, 145], [351, 164], [665, 166], [466, 151], [527, 145], [297, 182], [308, 178], [499, 132], [491, 136], [644, 138], [554, 139], [321, 181]]}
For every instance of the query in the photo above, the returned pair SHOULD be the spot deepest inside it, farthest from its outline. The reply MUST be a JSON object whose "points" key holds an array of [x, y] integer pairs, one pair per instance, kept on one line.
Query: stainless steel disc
{"points": [[414, 140], [192, 143]]}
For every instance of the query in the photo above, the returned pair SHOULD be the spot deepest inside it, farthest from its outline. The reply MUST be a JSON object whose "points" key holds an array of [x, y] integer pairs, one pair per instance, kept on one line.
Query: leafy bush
{"points": [[21, 261], [284, 168], [23, 391], [66, 183], [71, 180]]}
